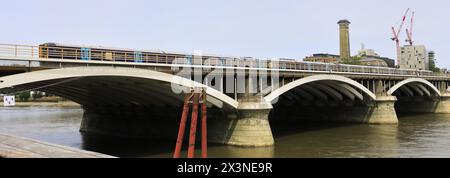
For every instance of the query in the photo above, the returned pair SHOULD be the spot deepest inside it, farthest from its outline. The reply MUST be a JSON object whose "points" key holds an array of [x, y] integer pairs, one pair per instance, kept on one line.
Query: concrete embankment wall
{"points": [[62, 104], [17, 147]]}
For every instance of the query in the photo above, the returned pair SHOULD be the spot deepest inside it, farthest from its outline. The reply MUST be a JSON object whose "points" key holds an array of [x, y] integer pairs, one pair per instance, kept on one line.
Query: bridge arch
{"points": [[346, 84], [67, 75], [410, 83]]}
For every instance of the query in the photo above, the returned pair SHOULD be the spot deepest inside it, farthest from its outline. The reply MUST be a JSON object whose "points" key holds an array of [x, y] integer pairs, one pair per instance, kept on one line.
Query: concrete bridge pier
{"points": [[443, 106], [382, 111], [379, 111], [247, 126]]}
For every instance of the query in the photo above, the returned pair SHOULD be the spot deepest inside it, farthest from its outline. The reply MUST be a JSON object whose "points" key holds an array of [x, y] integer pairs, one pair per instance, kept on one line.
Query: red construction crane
{"points": [[409, 31], [396, 34]]}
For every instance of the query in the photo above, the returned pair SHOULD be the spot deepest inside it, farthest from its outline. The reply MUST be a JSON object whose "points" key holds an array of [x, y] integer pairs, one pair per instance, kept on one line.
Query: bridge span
{"points": [[134, 93]]}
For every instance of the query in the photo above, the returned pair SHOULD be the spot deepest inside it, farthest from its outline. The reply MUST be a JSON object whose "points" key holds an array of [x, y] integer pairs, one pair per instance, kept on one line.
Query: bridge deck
{"points": [[56, 57]]}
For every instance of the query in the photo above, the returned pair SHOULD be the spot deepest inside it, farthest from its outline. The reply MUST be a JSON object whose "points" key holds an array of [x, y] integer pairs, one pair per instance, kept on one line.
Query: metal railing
{"points": [[11, 50], [128, 56]]}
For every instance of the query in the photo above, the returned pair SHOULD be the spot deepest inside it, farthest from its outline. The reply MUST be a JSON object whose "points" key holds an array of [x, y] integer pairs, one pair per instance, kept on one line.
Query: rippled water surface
{"points": [[416, 136]]}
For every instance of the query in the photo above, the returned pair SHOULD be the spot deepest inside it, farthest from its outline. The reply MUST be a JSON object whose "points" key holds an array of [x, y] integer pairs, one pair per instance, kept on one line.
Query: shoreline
{"points": [[60, 104]]}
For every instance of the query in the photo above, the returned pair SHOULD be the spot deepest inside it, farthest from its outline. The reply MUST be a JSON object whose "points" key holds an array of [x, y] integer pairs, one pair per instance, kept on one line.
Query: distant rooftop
{"points": [[325, 55], [344, 21]]}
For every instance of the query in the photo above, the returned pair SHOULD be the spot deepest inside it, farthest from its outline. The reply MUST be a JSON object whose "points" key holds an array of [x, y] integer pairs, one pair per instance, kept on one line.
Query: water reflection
{"points": [[416, 136], [242, 152], [125, 147], [339, 140], [163, 149], [425, 135]]}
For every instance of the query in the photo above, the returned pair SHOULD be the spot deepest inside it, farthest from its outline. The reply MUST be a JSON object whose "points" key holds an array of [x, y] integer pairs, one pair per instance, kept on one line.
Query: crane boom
{"points": [[409, 31], [403, 22], [396, 35]]}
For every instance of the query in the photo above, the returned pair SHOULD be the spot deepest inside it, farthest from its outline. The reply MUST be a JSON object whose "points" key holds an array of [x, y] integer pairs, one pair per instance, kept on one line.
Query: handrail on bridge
{"points": [[113, 55], [12, 50]]}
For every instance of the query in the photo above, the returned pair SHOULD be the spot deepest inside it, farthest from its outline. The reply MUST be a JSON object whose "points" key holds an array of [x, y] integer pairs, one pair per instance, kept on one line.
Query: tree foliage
{"points": [[354, 60], [433, 66], [24, 96]]}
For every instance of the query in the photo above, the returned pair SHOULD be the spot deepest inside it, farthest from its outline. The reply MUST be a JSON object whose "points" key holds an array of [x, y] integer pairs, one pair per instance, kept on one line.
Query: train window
{"points": [[258, 63], [221, 61], [189, 59], [86, 54], [138, 57], [109, 56]]}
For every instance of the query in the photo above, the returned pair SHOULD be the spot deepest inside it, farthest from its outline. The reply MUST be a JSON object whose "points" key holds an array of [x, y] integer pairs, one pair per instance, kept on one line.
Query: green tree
{"points": [[24, 96], [433, 66], [354, 60]]}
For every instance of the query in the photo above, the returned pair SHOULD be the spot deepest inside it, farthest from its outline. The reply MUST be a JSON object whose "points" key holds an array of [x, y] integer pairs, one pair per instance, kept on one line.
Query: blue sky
{"points": [[258, 28]]}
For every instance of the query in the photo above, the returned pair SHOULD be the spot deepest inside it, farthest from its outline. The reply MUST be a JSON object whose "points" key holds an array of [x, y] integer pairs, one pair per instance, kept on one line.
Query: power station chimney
{"points": [[344, 38]]}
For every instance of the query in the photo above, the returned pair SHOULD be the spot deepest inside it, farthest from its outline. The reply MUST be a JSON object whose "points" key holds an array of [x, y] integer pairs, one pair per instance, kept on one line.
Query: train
{"points": [[89, 53]]}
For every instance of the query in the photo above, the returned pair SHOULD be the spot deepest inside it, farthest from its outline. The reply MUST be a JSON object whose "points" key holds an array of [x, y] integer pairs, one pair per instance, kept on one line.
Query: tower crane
{"points": [[409, 31], [396, 35]]}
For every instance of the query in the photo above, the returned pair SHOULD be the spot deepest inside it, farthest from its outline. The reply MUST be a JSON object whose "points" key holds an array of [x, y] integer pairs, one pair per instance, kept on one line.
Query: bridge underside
{"points": [[133, 106], [120, 106], [419, 98], [332, 101], [109, 91]]}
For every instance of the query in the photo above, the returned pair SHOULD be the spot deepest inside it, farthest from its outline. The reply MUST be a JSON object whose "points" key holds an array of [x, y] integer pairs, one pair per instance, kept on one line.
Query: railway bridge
{"points": [[140, 93]]}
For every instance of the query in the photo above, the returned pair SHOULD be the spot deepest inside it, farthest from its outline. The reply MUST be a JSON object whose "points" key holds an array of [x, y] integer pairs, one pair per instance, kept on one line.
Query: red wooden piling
{"points": [[182, 128], [191, 150], [204, 127]]}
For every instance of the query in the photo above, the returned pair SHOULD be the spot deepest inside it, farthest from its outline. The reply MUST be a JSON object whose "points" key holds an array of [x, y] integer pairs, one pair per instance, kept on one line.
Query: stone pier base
{"points": [[381, 111], [443, 107], [248, 126]]}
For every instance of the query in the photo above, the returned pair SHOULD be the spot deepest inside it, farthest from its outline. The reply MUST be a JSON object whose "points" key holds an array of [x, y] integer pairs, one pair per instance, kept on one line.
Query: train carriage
{"points": [[89, 53]]}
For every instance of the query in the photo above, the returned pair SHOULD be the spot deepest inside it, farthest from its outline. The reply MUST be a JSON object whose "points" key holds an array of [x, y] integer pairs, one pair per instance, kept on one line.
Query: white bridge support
{"points": [[423, 96], [68, 75], [118, 101], [334, 89]]}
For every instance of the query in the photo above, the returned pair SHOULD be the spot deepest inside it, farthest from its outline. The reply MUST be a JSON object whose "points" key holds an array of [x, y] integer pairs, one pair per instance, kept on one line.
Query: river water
{"points": [[425, 135]]}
